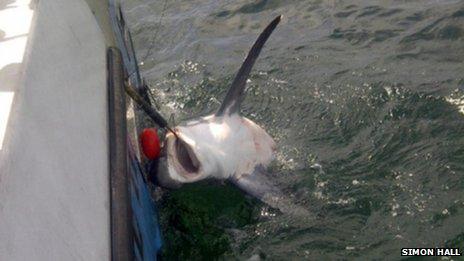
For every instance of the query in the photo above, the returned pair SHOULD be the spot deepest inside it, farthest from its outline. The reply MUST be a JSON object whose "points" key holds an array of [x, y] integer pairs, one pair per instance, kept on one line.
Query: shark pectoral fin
{"points": [[258, 185], [234, 97]]}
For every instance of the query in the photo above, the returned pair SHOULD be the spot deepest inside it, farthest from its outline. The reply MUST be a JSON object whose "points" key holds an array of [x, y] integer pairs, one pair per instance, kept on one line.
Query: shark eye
{"points": [[186, 157]]}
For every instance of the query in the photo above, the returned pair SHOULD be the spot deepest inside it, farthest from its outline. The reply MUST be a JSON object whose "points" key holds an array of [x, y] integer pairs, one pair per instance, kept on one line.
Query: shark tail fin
{"points": [[234, 97]]}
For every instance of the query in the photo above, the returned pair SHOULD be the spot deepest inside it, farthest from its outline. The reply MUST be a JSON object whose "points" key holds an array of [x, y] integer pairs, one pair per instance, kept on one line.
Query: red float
{"points": [[150, 143]]}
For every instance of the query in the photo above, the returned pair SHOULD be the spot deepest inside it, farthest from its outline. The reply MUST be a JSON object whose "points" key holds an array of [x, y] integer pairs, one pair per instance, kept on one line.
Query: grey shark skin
{"points": [[225, 145]]}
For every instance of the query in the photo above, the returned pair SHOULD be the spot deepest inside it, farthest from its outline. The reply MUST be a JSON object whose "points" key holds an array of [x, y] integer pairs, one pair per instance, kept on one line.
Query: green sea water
{"points": [[365, 100]]}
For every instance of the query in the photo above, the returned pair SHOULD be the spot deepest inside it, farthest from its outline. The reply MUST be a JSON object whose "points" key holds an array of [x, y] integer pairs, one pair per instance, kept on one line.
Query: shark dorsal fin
{"points": [[234, 97]]}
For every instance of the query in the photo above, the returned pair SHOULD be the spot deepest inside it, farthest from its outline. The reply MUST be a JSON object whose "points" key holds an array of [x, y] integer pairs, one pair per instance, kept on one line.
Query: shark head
{"points": [[224, 145]]}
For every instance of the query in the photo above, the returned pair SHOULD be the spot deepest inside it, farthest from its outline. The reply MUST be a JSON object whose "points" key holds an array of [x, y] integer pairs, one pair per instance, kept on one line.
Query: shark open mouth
{"points": [[186, 157]]}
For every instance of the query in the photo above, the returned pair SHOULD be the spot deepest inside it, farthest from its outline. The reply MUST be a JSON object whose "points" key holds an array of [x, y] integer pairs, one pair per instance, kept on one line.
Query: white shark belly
{"points": [[228, 145]]}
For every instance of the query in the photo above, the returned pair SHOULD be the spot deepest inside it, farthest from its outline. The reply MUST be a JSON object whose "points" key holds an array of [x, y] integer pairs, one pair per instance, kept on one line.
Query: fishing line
{"points": [[153, 39]]}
